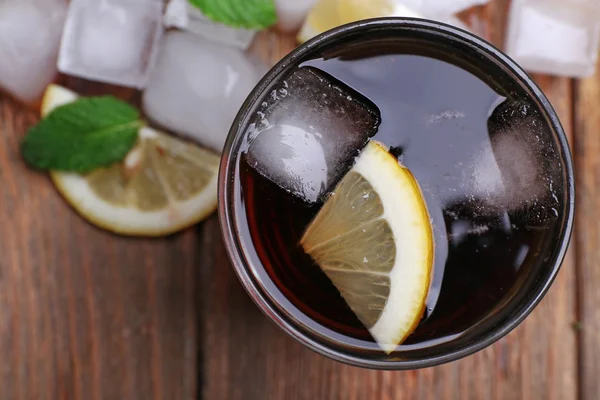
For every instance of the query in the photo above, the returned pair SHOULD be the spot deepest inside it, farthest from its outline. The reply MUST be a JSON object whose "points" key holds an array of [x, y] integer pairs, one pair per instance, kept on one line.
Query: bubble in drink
{"points": [[308, 131], [111, 41], [30, 32]]}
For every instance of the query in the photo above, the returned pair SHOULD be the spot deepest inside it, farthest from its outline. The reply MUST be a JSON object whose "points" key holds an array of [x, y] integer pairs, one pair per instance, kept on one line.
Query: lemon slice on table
{"points": [[373, 238], [164, 184], [328, 14]]}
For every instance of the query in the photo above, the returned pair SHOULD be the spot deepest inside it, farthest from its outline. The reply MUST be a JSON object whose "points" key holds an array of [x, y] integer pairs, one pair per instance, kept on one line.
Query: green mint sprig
{"points": [[251, 14], [81, 136]]}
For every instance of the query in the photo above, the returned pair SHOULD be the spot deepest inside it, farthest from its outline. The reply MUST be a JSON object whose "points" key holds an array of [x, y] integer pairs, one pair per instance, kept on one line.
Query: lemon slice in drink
{"points": [[328, 14], [373, 238], [163, 185]]}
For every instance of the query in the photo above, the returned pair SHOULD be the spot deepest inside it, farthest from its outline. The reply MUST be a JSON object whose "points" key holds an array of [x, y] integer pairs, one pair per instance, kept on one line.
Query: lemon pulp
{"points": [[373, 238]]}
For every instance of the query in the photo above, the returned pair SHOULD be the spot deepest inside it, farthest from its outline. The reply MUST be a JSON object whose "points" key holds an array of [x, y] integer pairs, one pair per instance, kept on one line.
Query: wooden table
{"points": [[88, 315]]}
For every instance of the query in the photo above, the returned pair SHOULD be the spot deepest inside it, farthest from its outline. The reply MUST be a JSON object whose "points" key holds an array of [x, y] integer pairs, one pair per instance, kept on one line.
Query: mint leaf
{"points": [[84, 135], [251, 14]]}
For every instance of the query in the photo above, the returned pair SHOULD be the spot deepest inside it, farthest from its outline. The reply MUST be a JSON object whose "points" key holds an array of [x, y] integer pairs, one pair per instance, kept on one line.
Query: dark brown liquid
{"points": [[460, 132]]}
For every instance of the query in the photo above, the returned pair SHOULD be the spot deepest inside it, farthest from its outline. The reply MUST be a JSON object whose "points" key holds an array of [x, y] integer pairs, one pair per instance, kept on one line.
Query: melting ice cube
{"points": [[435, 10], [176, 14], [527, 159], [308, 131], [291, 13], [112, 41], [442, 7], [292, 158], [30, 32], [197, 87], [555, 36], [181, 14]]}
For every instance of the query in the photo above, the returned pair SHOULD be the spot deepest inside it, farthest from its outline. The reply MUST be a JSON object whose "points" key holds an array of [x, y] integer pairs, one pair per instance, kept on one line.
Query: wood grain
{"points": [[85, 314], [251, 359], [88, 315], [587, 157]]}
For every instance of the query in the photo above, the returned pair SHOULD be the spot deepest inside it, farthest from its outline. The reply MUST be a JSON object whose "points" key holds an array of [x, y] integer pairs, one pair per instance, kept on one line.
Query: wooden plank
{"points": [[85, 314], [587, 155], [249, 358]]}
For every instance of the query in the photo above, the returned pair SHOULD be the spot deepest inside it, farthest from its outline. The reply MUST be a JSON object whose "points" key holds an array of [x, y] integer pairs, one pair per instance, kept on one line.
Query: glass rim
{"points": [[228, 167]]}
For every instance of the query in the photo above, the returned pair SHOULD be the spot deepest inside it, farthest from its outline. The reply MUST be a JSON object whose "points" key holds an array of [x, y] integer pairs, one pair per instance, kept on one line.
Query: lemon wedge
{"points": [[164, 184], [328, 14], [373, 238]]}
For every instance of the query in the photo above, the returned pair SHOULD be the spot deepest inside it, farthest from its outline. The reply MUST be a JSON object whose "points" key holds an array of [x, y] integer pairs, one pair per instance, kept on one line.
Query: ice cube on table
{"points": [[418, 9], [111, 41], [30, 32], [203, 26], [197, 87], [555, 36], [526, 156], [176, 14], [441, 8], [292, 13], [307, 132], [181, 14], [403, 10]]}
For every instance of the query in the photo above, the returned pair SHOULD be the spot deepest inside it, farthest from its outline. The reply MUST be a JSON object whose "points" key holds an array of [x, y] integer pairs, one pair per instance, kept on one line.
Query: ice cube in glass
{"points": [[307, 131]]}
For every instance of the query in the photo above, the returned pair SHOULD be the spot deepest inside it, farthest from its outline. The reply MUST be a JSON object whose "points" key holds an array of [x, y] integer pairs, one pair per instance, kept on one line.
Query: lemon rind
{"points": [[410, 276], [126, 221]]}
